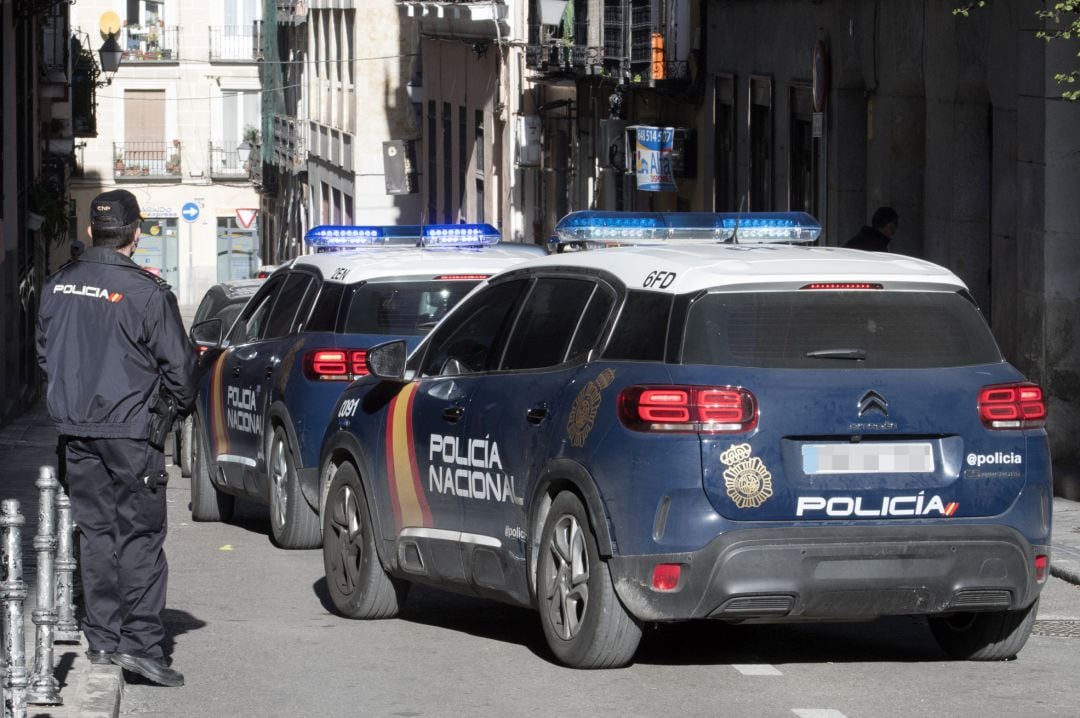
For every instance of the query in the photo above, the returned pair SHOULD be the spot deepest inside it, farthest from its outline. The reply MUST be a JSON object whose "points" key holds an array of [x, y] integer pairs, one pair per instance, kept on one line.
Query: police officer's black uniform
{"points": [[110, 337]]}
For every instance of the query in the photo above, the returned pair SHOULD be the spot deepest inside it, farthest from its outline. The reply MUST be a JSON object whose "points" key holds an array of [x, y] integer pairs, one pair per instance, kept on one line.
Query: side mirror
{"points": [[387, 361], [207, 335]]}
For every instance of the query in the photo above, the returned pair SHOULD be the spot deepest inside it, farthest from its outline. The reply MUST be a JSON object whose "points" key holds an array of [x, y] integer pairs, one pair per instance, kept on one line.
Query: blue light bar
{"points": [[459, 235], [614, 228]]}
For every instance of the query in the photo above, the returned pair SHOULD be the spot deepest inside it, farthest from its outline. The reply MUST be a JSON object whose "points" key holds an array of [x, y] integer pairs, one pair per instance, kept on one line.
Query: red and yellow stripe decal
{"points": [[406, 490], [219, 436]]}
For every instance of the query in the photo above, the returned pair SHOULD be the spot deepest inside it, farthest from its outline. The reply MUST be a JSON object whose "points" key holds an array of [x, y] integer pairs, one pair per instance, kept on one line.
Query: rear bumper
{"points": [[837, 573]]}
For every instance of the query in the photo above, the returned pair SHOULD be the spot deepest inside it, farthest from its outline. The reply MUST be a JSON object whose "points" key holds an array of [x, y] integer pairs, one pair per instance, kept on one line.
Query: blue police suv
{"points": [[272, 379], [715, 424]]}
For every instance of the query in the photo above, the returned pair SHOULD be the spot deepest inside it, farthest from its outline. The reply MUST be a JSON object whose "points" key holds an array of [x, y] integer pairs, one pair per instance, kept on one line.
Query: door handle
{"points": [[453, 413], [536, 414], [236, 371]]}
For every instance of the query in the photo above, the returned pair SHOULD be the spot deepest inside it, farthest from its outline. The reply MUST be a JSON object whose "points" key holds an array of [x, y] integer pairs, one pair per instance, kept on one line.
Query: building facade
{"points": [[35, 159], [174, 127]]}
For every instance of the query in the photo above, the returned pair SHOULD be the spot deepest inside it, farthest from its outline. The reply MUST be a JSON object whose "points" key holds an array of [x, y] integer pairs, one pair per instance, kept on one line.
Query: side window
{"points": [[282, 315], [547, 322], [641, 333], [249, 326], [470, 338], [592, 322], [324, 315]]}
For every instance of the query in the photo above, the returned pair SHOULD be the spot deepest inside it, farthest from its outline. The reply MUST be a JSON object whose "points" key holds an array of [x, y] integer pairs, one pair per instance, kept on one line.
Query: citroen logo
{"points": [[872, 401]]}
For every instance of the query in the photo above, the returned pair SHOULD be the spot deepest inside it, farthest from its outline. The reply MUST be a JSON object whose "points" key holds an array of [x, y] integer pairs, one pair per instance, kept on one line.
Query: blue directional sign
{"points": [[190, 211]]}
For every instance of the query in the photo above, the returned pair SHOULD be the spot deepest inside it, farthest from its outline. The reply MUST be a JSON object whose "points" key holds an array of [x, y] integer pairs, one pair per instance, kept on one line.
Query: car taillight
{"points": [[1012, 406], [842, 285], [708, 409], [336, 364]]}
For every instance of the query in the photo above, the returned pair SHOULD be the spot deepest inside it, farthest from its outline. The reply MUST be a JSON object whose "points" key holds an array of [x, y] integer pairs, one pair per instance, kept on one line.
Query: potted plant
{"points": [[118, 161], [173, 165], [252, 136]]}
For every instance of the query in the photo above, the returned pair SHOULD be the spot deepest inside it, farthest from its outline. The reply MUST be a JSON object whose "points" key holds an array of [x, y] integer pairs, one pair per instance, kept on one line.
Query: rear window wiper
{"points": [[855, 354]]}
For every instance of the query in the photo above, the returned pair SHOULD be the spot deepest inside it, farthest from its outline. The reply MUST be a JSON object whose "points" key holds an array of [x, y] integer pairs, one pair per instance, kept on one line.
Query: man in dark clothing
{"points": [[875, 238], [110, 339]]}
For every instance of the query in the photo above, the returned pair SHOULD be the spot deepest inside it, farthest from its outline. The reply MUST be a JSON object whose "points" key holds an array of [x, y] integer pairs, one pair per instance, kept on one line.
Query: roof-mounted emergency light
{"points": [[615, 228], [343, 238], [459, 235]]}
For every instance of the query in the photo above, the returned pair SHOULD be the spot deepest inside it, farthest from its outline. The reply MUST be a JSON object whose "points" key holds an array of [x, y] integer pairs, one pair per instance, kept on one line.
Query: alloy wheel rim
{"points": [[345, 541], [278, 483], [567, 577]]}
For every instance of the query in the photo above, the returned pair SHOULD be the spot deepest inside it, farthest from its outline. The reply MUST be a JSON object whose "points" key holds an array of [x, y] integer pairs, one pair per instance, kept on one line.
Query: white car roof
{"points": [[360, 264], [698, 266]]}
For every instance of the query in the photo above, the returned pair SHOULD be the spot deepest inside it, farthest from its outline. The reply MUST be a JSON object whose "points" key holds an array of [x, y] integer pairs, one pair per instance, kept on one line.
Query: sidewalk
{"points": [[90, 691]]}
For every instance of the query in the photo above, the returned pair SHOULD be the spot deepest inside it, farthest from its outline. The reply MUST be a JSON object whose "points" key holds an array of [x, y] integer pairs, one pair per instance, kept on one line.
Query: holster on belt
{"points": [[163, 411]]}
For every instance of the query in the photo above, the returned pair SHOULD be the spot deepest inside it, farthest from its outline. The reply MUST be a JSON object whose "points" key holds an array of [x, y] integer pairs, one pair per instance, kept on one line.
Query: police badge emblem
{"points": [[583, 411], [747, 482]]}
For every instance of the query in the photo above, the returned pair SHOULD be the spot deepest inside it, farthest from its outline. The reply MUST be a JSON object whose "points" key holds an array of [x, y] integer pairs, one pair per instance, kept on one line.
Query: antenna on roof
{"points": [[738, 215]]}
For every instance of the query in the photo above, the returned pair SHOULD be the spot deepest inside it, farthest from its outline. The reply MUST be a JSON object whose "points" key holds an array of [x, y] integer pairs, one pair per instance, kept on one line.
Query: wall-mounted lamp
{"points": [[110, 54], [243, 151]]}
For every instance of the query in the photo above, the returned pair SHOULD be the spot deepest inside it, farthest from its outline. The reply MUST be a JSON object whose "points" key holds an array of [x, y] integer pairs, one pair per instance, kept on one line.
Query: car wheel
{"points": [[184, 442], [358, 585], [293, 523], [584, 623], [207, 503], [990, 636]]}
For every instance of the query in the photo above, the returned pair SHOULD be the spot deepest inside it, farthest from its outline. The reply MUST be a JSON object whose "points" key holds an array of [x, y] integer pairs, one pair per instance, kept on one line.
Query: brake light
{"points": [[1012, 406], [335, 364], [842, 285], [1042, 563], [665, 576], [457, 277], [706, 409]]}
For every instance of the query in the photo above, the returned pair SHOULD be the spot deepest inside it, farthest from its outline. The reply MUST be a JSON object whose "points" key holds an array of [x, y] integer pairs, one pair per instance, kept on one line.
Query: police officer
{"points": [[109, 339]]}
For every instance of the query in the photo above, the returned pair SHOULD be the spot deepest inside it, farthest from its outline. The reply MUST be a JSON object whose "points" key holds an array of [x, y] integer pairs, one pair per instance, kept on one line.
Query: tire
{"points": [[991, 636], [293, 524], [207, 503], [184, 436], [358, 585], [584, 623]]}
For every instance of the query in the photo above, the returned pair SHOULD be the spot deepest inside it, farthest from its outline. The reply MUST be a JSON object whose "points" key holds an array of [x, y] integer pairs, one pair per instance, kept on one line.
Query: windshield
{"points": [[406, 308], [842, 330]]}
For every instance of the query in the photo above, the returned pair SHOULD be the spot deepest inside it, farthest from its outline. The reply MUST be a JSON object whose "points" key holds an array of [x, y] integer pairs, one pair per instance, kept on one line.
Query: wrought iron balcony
{"points": [[150, 43], [236, 43], [147, 160], [225, 160]]}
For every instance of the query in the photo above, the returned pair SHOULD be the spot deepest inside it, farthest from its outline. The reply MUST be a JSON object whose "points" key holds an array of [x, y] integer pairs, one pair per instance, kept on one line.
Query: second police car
{"points": [[263, 404], [715, 425]]}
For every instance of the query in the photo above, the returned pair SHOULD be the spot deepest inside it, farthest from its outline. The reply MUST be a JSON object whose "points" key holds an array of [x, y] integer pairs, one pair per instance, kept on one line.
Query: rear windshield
{"points": [[837, 330], [406, 308]]}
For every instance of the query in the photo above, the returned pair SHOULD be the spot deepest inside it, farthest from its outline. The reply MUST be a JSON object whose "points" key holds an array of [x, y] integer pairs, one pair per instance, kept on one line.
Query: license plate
{"points": [[868, 458]]}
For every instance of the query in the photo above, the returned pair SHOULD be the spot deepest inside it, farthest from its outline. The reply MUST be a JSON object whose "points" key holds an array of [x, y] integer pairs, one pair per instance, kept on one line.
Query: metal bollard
{"points": [[67, 628], [44, 688], [12, 594]]}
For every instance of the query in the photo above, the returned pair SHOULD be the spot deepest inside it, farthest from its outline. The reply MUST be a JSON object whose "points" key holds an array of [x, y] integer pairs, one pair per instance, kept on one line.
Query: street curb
{"points": [[100, 691]]}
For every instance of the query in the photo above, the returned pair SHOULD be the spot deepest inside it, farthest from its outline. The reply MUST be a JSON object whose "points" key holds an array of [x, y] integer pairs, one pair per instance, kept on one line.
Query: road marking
{"points": [[756, 669], [817, 713]]}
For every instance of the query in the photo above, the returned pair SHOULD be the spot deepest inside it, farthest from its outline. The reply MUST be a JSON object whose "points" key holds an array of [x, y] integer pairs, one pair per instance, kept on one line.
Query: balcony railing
{"points": [[225, 160], [146, 160], [236, 43], [150, 43], [290, 149]]}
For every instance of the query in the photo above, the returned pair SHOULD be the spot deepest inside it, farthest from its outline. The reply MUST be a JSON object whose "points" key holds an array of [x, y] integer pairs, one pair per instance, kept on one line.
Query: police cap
{"points": [[115, 209]]}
